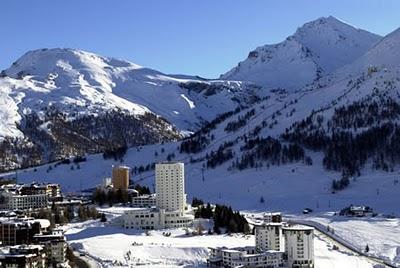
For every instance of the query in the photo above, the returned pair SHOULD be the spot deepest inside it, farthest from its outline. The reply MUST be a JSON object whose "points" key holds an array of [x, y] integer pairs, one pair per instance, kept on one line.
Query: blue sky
{"points": [[206, 37]]}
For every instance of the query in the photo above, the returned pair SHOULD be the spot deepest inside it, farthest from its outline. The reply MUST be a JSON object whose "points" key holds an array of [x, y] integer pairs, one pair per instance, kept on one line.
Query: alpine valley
{"points": [[312, 122]]}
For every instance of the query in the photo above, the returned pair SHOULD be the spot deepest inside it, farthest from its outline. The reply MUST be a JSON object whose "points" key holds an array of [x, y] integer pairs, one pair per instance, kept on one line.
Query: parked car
{"points": [[307, 210]]}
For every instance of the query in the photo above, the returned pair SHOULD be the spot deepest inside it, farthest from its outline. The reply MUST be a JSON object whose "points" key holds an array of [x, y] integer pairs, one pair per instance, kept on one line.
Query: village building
{"points": [[272, 217], [276, 245], [23, 256], [244, 257], [357, 211], [16, 231], [15, 201], [299, 246], [120, 177], [269, 237], [28, 196], [171, 210], [144, 201], [55, 245]]}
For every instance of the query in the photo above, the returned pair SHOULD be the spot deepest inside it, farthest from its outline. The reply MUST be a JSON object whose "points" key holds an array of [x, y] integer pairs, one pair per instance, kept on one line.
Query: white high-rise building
{"points": [[277, 245], [171, 208], [299, 246], [170, 186], [269, 237]]}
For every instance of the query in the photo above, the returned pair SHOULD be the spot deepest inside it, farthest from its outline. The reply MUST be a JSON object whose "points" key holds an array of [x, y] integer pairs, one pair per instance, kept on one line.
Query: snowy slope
{"points": [[317, 48], [382, 235], [112, 246], [285, 110], [289, 188], [78, 82], [309, 183], [384, 55]]}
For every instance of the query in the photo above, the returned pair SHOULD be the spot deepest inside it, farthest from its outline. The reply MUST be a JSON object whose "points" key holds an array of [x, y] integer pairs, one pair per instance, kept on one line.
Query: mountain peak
{"points": [[331, 25], [318, 47], [329, 19], [41, 62]]}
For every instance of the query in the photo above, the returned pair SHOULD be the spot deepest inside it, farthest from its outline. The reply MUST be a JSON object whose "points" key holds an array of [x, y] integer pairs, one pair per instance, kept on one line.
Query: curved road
{"points": [[341, 243]]}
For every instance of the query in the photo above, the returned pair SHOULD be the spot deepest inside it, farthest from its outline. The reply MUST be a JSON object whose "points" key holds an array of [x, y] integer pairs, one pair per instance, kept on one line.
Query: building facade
{"points": [[144, 201], [244, 257], [153, 219], [13, 201], [21, 231], [269, 237], [28, 196], [53, 192], [170, 186], [272, 217], [170, 210], [24, 256], [120, 177], [294, 248], [299, 246], [55, 246]]}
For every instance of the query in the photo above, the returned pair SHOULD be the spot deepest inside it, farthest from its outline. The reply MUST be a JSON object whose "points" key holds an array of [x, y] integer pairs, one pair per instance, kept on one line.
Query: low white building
{"points": [[153, 219], [244, 257], [276, 245], [14, 201], [28, 196], [144, 201], [357, 211]]}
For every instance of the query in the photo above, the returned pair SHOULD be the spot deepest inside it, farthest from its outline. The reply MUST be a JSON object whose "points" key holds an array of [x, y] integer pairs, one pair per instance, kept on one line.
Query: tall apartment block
{"points": [[120, 177], [170, 186]]}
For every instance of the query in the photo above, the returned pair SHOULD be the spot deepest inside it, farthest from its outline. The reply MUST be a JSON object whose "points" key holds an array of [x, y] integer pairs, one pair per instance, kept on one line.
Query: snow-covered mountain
{"points": [[359, 98], [384, 55], [290, 149], [314, 50], [83, 82], [48, 91]]}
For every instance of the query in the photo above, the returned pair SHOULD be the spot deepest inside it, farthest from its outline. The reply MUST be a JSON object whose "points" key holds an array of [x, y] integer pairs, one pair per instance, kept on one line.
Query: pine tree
{"points": [[216, 229]]}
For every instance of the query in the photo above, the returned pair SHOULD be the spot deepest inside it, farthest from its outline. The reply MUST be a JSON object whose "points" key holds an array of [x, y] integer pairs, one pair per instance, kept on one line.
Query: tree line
{"points": [[223, 216], [362, 131], [270, 150], [240, 122]]}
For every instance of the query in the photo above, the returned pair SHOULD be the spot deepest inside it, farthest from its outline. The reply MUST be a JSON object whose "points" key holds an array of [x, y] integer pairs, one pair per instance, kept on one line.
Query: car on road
{"points": [[307, 210]]}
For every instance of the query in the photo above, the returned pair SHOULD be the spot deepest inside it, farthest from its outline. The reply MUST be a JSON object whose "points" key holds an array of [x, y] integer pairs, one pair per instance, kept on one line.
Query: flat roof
{"points": [[298, 228], [124, 167], [169, 162], [268, 224]]}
